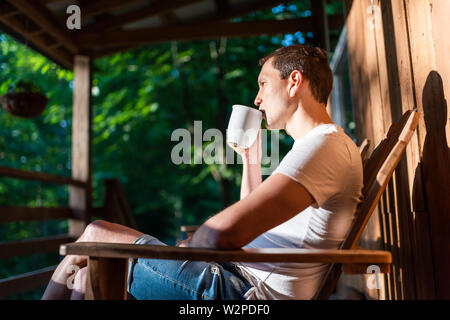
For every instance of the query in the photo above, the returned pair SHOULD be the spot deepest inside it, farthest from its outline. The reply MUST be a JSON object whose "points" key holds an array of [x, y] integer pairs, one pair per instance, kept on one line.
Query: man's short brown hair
{"points": [[312, 62]]}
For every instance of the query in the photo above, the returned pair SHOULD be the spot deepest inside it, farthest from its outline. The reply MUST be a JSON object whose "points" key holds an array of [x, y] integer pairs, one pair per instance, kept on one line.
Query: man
{"points": [[307, 202]]}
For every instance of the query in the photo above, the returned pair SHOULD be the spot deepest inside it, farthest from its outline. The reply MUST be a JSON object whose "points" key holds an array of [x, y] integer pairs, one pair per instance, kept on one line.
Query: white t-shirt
{"points": [[328, 164]]}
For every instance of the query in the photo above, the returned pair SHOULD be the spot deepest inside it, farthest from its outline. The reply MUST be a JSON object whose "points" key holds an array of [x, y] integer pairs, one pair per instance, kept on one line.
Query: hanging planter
{"points": [[24, 100]]}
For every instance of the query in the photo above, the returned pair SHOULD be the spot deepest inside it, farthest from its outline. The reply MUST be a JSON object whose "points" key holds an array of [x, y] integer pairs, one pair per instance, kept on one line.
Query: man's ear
{"points": [[295, 81]]}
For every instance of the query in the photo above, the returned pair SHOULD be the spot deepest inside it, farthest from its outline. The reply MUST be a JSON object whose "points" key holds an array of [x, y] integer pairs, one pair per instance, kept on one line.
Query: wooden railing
{"points": [[115, 209], [39, 176]]}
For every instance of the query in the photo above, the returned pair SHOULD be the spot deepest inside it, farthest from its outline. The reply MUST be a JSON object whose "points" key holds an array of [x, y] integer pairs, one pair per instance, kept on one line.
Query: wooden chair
{"points": [[378, 170], [363, 148], [107, 263]]}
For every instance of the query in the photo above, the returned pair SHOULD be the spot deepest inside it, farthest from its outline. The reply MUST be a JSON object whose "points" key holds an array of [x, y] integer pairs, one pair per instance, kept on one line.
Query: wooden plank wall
{"points": [[398, 51]]}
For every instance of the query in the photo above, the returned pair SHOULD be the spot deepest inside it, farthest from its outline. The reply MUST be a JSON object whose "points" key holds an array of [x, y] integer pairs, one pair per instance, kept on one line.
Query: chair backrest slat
{"points": [[378, 170], [363, 148]]}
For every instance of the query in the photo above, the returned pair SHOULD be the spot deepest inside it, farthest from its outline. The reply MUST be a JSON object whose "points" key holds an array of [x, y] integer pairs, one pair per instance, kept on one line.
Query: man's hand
{"points": [[251, 171], [251, 154]]}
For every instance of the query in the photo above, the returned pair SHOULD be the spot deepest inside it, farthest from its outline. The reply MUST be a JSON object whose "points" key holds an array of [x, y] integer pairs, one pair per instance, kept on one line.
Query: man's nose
{"points": [[258, 101]]}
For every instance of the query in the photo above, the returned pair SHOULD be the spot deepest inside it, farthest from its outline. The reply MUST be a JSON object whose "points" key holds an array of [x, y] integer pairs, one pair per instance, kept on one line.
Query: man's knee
{"points": [[99, 225], [104, 231], [93, 229]]}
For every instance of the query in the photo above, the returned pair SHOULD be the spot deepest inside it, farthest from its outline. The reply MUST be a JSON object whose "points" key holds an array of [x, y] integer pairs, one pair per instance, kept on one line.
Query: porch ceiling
{"points": [[109, 26]]}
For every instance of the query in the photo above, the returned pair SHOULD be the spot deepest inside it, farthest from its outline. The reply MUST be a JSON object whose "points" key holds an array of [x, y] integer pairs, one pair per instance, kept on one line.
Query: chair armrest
{"points": [[107, 261], [125, 251], [189, 228]]}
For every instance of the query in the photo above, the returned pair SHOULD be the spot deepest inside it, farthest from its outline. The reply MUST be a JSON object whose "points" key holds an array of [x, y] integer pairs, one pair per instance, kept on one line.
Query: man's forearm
{"points": [[212, 233], [251, 176]]}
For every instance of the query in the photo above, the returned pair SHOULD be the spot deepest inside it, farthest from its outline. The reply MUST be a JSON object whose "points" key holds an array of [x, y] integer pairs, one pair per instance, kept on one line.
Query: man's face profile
{"points": [[272, 96]]}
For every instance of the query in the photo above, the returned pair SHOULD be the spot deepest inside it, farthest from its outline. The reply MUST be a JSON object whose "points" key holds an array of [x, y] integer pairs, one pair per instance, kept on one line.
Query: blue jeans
{"points": [[156, 279]]}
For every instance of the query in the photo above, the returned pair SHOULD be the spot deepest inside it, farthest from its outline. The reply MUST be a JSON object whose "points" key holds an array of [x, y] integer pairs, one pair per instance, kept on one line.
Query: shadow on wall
{"points": [[431, 195]]}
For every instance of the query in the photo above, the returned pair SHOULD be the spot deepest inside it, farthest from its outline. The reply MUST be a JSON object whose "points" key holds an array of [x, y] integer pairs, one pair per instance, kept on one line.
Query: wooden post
{"points": [[80, 199], [319, 15], [335, 106]]}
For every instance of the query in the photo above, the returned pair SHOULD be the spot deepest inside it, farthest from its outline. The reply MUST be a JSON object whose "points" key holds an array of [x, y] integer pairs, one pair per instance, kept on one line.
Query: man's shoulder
{"points": [[331, 148], [332, 138], [324, 163]]}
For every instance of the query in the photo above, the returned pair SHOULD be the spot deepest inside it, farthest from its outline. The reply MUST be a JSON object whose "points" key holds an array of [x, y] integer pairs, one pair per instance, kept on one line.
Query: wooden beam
{"points": [[336, 22], [95, 8], [80, 198], [169, 18], [194, 32], [39, 176], [55, 45], [31, 246], [43, 17], [6, 10], [29, 28], [58, 54], [24, 282], [242, 10], [11, 214], [48, 1], [152, 10], [37, 32], [222, 5]]}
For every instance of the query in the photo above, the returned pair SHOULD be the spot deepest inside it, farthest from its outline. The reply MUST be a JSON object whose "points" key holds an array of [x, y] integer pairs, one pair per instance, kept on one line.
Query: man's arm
{"points": [[251, 166], [273, 202], [251, 175]]}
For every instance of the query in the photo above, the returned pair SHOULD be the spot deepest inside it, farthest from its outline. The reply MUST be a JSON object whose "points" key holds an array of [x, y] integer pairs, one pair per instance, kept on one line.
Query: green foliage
{"points": [[140, 97]]}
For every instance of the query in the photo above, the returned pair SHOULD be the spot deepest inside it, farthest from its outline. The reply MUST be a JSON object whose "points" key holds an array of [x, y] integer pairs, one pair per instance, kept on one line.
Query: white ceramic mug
{"points": [[243, 126]]}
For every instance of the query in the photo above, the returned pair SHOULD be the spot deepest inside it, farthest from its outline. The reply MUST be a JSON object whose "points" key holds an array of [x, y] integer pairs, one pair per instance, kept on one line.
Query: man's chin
{"points": [[270, 126]]}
